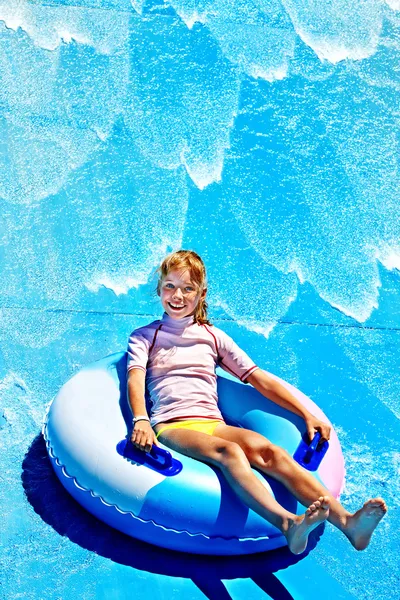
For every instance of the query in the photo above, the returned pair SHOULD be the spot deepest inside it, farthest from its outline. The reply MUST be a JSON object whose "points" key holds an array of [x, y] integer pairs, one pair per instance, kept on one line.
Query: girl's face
{"points": [[179, 295]]}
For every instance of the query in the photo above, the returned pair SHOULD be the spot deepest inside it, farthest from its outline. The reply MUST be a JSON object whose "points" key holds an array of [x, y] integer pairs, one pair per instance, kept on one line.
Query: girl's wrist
{"points": [[308, 416], [140, 418]]}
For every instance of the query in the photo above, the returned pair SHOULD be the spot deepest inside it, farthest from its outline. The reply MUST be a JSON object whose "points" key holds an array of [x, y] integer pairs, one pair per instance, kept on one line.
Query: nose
{"points": [[178, 294]]}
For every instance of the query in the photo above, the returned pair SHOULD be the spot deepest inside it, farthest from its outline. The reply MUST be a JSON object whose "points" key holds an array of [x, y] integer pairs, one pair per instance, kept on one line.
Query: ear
{"points": [[203, 294]]}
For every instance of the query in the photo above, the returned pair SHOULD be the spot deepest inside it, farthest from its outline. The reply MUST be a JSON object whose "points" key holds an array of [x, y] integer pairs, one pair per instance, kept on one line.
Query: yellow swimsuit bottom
{"points": [[207, 427]]}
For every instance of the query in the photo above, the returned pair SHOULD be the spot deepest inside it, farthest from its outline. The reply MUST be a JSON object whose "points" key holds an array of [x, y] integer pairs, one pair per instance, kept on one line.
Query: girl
{"points": [[175, 358]]}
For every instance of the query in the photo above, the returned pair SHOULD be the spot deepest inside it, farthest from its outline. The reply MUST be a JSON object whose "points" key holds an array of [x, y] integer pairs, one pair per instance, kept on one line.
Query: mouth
{"points": [[175, 307]]}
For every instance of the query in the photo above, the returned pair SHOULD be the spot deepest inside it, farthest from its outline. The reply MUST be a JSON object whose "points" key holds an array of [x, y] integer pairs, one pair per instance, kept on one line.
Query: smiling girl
{"points": [[175, 359]]}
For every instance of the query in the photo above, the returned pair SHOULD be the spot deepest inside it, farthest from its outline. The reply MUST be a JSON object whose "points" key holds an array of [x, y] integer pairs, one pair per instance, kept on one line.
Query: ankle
{"points": [[342, 522], [287, 523]]}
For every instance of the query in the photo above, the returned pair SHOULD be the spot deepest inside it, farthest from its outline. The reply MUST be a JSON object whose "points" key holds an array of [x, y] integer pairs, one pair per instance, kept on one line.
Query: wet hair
{"points": [[187, 260]]}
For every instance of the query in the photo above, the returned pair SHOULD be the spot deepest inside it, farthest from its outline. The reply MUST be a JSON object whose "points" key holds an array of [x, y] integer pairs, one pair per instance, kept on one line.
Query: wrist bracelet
{"points": [[140, 418]]}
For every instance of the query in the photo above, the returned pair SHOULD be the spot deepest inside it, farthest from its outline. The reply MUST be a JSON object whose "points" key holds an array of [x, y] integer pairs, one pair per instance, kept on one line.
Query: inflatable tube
{"points": [[193, 510]]}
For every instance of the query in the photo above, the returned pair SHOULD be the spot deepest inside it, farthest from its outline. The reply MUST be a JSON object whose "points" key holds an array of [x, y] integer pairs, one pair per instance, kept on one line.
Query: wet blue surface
{"points": [[262, 135]]}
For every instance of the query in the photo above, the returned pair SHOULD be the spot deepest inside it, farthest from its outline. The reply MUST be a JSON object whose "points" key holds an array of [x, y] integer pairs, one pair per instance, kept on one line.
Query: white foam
{"points": [[260, 52], [337, 30], [203, 174], [247, 39], [381, 375], [263, 328], [360, 310], [268, 75], [19, 402], [43, 155], [56, 121], [393, 4], [138, 6], [336, 51], [102, 135], [294, 267], [119, 285], [365, 472], [187, 10], [48, 27], [10, 380], [336, 284], [390, 258], [187, 117]]}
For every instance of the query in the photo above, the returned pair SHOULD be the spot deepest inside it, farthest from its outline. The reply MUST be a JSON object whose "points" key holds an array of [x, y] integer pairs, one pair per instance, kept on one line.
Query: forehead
{"points": [[176, 275]]}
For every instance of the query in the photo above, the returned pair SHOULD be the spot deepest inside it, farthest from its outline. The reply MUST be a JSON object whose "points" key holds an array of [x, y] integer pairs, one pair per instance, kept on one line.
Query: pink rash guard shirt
{"points": [[179, 358]]}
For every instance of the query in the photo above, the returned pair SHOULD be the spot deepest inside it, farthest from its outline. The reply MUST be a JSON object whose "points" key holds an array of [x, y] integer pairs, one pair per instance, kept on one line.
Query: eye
{"points": [[169, 285], [189, 289]]}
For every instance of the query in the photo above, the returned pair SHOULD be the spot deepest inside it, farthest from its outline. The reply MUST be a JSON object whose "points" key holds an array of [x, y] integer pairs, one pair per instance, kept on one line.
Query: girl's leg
{"points": [[230, 458], [276, 462]]}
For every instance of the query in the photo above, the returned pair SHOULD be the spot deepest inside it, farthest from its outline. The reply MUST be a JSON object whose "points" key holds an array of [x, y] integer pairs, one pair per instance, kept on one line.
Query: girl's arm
{"points": [[142, 436], [136, 387], [275, 391]]}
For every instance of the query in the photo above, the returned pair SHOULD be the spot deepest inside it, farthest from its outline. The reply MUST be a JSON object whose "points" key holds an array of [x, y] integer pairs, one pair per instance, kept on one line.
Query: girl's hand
{"points": [[313, 424], [143, 436]]}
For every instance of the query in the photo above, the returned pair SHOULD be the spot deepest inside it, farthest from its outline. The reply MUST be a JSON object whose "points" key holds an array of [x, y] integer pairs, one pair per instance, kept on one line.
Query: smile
{"points": [[175, 307]]}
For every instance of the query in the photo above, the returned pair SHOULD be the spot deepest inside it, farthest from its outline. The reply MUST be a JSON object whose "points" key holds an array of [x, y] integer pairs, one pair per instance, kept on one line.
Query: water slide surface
{"points": [[263, 135]]}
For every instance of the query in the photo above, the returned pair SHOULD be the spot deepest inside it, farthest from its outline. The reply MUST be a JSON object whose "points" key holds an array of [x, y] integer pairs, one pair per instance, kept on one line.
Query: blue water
{"points": [[263, 135]]}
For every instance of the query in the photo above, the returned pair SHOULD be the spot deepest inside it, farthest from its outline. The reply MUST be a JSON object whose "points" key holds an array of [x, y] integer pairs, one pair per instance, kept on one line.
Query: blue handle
{"points": [[310, 454], [312, 447], [158, 459], [159, 453]]}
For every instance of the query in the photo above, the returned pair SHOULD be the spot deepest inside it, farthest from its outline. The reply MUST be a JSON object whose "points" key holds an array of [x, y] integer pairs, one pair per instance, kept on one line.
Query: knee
{"points": [[228, 452], [271, 458]]}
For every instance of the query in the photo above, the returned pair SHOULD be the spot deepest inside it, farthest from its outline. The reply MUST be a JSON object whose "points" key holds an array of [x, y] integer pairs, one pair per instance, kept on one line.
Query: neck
{"points": [[177, 323]]}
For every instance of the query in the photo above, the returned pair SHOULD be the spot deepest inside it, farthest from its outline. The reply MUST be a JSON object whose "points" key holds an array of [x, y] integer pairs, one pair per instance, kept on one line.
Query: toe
{"points": [[376, 504]]}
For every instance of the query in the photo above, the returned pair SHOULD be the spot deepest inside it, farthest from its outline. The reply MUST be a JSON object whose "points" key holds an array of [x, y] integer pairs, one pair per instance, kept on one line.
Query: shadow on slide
{"points": [[57, 508]]}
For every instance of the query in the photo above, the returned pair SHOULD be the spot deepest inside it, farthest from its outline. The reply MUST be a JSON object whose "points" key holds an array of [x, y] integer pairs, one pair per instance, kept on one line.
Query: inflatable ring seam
{"points": [[124, 512]]}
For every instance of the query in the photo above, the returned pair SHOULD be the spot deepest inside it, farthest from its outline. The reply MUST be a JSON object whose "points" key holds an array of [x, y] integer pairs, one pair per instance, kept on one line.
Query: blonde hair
{"points": [[187, 260]]}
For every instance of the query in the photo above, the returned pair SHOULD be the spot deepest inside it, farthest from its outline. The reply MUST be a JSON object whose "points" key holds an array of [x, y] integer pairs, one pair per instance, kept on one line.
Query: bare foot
{"points": [[301, 527], [361, 525]]}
